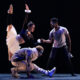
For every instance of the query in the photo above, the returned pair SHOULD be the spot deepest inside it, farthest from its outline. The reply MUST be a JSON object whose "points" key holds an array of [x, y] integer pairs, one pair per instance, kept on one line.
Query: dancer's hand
{"points": [[28, 71], [27, 10], [21, 41], [42, 40], [27, 7], [10, 10]]}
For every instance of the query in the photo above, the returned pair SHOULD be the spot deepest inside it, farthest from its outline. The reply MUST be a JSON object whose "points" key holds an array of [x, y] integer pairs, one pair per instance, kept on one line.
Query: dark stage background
{"points": [[42, 10]]}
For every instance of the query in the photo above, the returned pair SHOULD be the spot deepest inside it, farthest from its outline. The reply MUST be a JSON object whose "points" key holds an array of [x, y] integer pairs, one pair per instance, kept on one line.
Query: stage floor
{"points": [[41, 77]]}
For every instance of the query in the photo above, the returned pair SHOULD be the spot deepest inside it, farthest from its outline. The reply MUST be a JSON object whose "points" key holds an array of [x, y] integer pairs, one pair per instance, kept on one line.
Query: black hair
{"points": [[30, 24], [54, 20]]}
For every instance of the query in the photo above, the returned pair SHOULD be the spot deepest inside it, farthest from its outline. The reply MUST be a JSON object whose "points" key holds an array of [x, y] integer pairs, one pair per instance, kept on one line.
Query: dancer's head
{"points": [[31, 26], [40, 50], [54, 22]]}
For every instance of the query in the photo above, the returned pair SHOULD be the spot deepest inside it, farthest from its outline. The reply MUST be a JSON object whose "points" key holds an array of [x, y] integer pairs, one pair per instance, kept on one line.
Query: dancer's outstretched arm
{"points": [[27, 12], [28, 68], [46, 41], [23, 32], [69, 42]]}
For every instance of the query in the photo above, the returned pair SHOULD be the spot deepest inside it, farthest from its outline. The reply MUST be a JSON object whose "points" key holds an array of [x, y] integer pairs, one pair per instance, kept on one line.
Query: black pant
{"points": [[59, 56]]}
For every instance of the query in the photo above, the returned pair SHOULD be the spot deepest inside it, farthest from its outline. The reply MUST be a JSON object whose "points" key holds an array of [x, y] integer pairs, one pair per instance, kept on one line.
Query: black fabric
{"points": [[59, 57], [29, 40], [25, 22], [9, 19]]}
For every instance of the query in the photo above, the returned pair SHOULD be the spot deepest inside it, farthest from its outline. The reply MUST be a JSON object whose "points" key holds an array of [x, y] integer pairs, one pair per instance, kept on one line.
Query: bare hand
{"points": [[27, 7], [10, 10]]}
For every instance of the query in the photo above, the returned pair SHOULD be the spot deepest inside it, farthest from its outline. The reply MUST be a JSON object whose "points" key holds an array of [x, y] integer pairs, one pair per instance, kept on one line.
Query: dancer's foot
{"points": [[52, 72], [14, 73]]}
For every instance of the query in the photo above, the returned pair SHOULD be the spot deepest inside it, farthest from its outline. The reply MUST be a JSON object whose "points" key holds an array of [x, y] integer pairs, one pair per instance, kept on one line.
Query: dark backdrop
{"points": [[42, 10]]}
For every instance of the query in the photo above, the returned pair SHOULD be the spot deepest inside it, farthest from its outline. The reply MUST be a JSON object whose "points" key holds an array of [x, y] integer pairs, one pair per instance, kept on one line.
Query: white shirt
{"points": [[26, 52], [34, 54], [59, 36]]}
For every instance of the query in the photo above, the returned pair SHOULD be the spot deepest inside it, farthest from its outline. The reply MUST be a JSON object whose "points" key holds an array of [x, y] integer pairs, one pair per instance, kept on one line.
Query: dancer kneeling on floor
{"points": [[22, 60]]}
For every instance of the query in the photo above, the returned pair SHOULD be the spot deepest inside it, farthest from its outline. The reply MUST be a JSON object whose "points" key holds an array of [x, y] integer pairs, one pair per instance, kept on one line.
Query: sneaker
{"points": [[52, 72], [14, 73]]}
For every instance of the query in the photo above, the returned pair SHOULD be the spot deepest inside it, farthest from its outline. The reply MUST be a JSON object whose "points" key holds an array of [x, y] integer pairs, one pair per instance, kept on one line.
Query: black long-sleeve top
{"points": [[9, 19], [29, 39]]}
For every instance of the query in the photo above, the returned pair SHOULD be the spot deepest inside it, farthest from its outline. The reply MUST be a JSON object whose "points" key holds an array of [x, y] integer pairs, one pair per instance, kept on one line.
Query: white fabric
{"points": [[27, 52], [38, 41], [28, 11], [34, 54], [59, 37], [11, 41]]}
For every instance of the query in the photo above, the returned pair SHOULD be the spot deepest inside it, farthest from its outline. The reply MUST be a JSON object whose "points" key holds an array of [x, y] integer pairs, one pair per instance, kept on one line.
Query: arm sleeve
{"points": [[23, 34], [25, 22], [28, 40]]}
